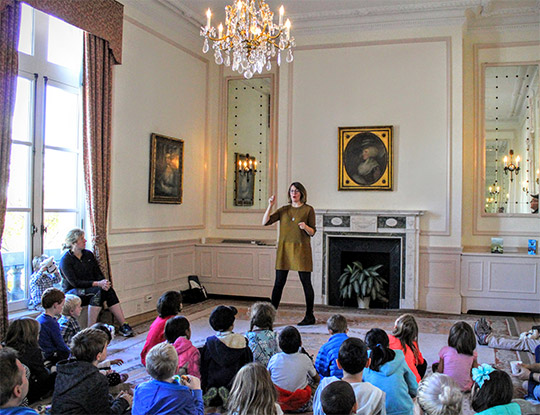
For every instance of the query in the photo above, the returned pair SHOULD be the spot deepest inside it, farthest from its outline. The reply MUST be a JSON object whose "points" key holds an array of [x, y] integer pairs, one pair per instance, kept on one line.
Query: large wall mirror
{"points": [[249, 141], [511, 139]]}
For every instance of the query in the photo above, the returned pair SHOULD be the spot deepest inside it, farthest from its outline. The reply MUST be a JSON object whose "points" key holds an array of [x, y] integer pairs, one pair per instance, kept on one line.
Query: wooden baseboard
{"points": [[142, 318]]}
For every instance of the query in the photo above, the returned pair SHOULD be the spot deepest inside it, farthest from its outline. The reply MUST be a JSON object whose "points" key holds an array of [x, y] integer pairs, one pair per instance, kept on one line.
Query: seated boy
{"points": [[46, 275], [79, 387], [69, 325], [167, 394], [353, 359], [51, 342], [338, 399], [14, 384], [222, 356], [325, 363], [290, 371]]}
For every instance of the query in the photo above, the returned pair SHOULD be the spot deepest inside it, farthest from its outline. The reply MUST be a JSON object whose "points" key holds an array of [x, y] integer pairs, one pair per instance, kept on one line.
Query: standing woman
{"points": [[83, 277], [296, 227]]}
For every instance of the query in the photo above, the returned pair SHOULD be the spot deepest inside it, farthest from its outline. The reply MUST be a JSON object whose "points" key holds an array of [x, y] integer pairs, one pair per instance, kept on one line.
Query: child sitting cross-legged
{"points": [[114, 378], [325, 363], [46, 275], [338, 399], [178, 333], [167, 393], [290, 371], [69, 325], [222, 356], [353, 359], [492, 392], [261, 335], [51, 342], [80, 388]]}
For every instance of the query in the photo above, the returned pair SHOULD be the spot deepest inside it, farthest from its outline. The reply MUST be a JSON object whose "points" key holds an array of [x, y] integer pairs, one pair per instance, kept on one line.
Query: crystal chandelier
{"points": [[250, 38]]}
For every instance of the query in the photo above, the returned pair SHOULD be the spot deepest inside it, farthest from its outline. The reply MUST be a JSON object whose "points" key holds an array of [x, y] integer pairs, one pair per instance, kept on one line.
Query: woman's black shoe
{"points": [[308, 321]]}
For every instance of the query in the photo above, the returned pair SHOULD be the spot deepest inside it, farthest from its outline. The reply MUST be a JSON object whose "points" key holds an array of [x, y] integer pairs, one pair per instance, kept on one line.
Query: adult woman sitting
{"points": [[83, 277]]}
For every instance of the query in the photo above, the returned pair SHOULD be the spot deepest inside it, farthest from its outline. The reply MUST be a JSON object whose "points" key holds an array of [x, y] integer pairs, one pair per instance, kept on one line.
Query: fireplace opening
{"points": [[344, 251]]}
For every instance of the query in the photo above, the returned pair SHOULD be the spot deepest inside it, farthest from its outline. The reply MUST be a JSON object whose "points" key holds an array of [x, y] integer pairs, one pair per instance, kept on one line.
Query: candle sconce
{"points": [[510, 166], [245, 169]]}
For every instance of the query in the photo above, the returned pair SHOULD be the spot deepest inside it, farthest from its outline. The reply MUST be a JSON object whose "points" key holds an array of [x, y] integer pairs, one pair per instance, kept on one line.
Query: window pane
{"points": [[62, 120], [19, 168], [58, 224], [65, 44], [26, 35], [15, 254], [60, 180], [22, 124]]}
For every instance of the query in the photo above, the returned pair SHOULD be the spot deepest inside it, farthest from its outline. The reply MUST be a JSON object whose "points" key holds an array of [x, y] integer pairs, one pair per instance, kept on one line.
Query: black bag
{"points": [[196, 292]]}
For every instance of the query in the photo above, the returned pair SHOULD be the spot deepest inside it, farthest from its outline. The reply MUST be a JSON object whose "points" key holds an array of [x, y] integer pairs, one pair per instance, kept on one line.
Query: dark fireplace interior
{"points": [[342, 251]]}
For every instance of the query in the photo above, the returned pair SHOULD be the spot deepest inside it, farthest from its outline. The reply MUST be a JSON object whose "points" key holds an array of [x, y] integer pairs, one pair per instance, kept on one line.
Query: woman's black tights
{"points": [[305, 278]]}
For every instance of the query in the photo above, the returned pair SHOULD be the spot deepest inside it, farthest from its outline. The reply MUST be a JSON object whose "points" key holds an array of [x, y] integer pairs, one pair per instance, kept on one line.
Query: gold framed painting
{"points": [[166, 169], [365, 158]]}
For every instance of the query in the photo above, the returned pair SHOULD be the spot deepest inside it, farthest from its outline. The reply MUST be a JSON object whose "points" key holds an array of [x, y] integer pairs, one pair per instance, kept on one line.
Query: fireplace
{"points": [[370, 251]]}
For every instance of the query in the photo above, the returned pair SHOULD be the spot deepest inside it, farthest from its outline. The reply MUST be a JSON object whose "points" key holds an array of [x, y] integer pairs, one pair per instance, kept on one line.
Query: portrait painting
{"points": [[365, 158], [166, 169], [244, 189]]}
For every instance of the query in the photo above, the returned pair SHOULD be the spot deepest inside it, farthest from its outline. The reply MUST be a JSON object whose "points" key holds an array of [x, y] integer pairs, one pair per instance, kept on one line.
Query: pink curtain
{"points": [[10, 14], [97, 101]]}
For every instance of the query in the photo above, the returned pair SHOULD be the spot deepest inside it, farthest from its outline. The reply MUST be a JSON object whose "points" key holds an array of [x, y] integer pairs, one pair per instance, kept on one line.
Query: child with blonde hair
{"points": [[262, 339], [69, 325], [253, 392], [404, 337], [439, 394]]}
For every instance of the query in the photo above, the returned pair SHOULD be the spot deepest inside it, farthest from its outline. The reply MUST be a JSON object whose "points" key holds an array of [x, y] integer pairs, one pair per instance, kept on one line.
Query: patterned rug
{"points": [[434, 329]]}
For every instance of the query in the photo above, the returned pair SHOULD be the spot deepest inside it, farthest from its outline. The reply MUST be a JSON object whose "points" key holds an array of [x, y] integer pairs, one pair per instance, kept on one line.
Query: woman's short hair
{"points": [[462, 338], [262, 315], [439, 394], [72, 237], [337, 324], [300, 187], [72, 301], [176, 327], [22, 334], [497, 390], [162, 361], [86, 344], [169, 304]]}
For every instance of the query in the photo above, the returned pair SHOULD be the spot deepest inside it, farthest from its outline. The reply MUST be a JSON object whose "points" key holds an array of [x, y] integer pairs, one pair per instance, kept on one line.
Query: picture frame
{"points": [[365, 158], [166, 169], [244, 179]]}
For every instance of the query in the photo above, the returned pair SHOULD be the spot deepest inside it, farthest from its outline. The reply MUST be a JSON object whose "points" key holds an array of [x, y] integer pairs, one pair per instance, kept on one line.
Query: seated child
{"points": [[389, 372], [14, 384], [22, 335], [325, 363], [167, 393], [51, 342], [353, 359], [46, 275], [405, 338], [459, 357], [492, 392], [222, 356], [439, 394], [178, 333], [261, 336], [168, 305], [113, 377], [69, 325], [338, 399], [290, 370], [79, 387]]}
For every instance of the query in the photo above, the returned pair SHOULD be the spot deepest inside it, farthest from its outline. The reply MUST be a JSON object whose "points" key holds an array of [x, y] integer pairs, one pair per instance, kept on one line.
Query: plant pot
{"points": [[363, 302]]}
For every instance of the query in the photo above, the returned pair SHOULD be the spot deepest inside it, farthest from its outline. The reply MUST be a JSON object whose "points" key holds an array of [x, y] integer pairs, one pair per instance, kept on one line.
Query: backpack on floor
{"points": [[196, 292]]}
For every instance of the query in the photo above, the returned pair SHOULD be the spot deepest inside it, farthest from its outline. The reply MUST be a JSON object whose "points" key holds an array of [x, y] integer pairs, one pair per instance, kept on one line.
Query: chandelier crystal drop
{"points": [[250, 38]]}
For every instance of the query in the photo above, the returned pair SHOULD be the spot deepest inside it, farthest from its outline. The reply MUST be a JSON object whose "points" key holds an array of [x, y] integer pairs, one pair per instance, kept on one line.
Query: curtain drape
{"points": [[10, 14], [97, 104]]}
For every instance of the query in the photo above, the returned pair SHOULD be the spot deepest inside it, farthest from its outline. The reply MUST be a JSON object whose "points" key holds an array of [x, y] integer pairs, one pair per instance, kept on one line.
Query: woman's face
{"points": [[80, 243], [365, 154], [295, 194]]}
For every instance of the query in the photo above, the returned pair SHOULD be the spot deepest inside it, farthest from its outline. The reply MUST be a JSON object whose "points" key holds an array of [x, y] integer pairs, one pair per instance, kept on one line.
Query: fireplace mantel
{"points": [[399, 224]]}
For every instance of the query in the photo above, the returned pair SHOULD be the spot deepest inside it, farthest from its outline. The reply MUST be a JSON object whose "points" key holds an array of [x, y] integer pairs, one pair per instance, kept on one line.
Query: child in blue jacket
{"points": [[325, 363]]}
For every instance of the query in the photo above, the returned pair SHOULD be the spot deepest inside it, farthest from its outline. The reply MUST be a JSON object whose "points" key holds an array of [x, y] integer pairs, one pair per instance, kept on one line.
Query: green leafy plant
{"points": [[357, 281]]}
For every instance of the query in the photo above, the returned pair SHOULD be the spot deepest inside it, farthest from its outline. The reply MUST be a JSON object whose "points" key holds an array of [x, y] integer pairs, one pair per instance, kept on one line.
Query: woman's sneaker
{"points": [[482, 329], [125, 330]]}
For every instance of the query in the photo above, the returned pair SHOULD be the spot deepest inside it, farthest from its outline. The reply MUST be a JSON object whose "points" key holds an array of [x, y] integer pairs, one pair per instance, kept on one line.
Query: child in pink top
{"points": [[168, 305], [178, 332], [459, 357]]}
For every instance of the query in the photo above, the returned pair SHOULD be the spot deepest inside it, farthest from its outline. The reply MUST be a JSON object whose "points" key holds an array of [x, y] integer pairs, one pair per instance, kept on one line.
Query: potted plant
{"points": [[363, 283]]}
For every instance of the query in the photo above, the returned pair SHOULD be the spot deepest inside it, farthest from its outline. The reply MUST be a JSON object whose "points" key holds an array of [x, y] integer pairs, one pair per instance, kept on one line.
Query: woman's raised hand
{"points": [[272, 200]]}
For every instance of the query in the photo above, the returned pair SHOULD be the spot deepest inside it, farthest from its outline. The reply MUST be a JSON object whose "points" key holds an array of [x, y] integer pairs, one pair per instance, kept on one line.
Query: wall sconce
{"points": [[494, 190], [525, 186], [509, 166], [245, 163], [244, 191]]}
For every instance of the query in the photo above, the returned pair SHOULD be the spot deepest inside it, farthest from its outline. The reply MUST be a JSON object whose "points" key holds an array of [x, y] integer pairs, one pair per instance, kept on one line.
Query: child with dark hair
{"points": [[178, 333], [353, 359], [338, 399], [389, 372], [79, 387], [114, 378], [404, 337], [14, 384], [459, 357], [168, 306], [262, 338], [51, 342], [325, 363], [492, 392], [222, 356], [290, 371]]}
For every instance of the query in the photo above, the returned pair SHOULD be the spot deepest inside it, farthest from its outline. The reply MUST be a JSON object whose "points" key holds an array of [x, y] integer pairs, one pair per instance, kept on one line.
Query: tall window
{"points": [[45, 193]]}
